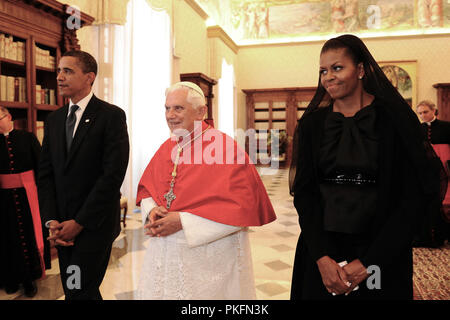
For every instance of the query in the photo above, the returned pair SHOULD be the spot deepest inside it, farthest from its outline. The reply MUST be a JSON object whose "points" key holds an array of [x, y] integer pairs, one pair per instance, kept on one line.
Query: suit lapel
{"points": [[86, 121]]}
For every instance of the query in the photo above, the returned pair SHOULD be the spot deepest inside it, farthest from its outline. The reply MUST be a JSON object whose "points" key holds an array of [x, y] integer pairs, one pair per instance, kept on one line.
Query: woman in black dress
{"points": [[360, 176]]}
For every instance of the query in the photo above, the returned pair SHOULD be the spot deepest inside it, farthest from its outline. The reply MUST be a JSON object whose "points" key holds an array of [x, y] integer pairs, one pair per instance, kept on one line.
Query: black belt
{"points": [[354, 179]]}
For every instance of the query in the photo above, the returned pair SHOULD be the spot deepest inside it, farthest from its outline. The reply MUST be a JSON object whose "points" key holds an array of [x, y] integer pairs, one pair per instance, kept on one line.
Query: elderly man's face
{"points": [[426, 114], [179, 112]]}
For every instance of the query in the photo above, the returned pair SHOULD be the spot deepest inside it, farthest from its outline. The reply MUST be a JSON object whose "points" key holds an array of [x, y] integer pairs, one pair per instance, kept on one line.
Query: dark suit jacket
{"points": [[85, 184], [440, 131]]}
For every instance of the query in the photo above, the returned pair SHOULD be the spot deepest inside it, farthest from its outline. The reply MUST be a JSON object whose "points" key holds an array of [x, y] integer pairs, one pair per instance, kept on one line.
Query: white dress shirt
{"points": [[82, 104]]}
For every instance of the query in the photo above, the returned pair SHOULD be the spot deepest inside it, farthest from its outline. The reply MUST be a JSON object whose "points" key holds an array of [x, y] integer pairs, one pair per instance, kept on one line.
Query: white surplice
{"points": [[205, 260]]}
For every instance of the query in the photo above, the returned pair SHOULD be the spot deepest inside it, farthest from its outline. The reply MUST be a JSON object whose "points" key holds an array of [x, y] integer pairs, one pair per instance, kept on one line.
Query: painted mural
{"points": [[400, 79], [264, 20]]}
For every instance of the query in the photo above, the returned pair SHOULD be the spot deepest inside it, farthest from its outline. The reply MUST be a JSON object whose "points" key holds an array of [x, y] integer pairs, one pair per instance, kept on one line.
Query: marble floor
{"points": [[273, 249]]}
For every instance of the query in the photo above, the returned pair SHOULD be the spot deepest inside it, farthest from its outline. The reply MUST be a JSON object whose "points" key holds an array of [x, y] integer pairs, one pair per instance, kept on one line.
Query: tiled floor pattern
{"points": [[273, 248]]}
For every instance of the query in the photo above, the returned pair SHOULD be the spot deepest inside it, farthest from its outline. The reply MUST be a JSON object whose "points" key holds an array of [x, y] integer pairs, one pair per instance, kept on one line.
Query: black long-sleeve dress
{"points": [[357, 197], [19, 256]]}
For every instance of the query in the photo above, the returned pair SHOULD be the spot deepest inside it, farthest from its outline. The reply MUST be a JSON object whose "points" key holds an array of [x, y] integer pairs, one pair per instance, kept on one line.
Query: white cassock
{"points": [[206, 260]]}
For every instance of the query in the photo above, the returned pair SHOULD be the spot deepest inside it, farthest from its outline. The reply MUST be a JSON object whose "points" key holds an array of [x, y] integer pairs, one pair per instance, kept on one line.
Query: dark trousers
{"points": [[82, 272]]}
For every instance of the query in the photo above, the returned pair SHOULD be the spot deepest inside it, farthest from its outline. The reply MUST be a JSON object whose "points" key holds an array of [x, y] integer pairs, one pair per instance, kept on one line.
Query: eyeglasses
{"points": [[3, 117]]}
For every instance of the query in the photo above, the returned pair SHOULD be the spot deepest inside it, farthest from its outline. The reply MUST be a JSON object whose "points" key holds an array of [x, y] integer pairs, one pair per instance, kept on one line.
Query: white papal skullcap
{"points": [[186, 84]]}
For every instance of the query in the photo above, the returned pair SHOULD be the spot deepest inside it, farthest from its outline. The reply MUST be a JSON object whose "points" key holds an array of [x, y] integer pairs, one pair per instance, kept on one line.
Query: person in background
{"points": [[361, 178], [435, 228], [24, 250]]}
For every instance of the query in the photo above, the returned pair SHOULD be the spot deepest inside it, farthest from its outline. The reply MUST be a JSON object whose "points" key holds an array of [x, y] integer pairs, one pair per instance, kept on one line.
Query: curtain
{"points": [[140, 82], [134, 62], [226, 87]]}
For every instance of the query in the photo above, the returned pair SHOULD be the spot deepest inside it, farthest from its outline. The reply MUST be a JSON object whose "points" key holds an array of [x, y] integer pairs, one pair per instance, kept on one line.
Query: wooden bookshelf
{"points": [[38, 27], [206, 84], [443, 100], [279, 109]]}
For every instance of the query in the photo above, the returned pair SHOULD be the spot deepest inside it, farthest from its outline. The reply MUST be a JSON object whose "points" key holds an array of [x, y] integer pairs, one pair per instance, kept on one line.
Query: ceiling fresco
{"points": [[275, 21]]}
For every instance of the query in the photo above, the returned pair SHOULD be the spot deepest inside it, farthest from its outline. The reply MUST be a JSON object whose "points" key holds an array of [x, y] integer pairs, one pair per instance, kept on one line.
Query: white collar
{"points": [[7, 133], [429, 123], [82, 104]]}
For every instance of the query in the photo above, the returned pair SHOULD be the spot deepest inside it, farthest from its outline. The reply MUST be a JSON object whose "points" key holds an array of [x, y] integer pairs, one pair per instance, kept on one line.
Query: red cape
{"points": [[443, 152], [228, 193]]}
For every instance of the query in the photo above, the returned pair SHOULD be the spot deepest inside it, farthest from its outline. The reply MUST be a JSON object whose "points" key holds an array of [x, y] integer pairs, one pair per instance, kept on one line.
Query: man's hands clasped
{"points": [[163, 223], [64, 233]]}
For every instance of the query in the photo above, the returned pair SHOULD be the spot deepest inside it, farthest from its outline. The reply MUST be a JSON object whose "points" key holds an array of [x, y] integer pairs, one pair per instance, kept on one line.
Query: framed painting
{"points": [[403, 76]]}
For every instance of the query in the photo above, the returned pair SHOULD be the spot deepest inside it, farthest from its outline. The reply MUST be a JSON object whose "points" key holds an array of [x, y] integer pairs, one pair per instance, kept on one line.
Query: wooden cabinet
{"points": [[278, 109], [206, 84], [33, 35], [443, 100]]}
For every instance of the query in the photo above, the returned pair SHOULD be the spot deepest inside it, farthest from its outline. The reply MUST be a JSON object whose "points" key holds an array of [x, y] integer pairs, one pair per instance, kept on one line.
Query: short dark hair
{"points": [[87, 61]]}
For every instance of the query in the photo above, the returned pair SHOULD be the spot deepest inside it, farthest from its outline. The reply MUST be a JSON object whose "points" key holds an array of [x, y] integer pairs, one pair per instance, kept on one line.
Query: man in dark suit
{"points": [[436, 131], [83, 163], [434, 229]]}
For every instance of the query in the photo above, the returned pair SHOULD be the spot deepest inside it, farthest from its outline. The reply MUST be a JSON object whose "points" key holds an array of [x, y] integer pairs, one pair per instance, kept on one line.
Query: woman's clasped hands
{"points": [[341, 279]]}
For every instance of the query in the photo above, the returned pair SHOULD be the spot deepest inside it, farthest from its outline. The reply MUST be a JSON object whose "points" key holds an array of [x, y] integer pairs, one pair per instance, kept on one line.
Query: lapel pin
{"points": [[87, 120]]}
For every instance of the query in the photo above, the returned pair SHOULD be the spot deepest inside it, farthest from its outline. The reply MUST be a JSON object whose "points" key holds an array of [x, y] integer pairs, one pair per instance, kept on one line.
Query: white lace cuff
{"points": [[199, 231], [147, 205]]}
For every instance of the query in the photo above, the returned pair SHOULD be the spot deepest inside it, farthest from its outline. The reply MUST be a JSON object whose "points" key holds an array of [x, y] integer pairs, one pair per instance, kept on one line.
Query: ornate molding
{"points": [[193, 4], [217, 32], [161, 5]]}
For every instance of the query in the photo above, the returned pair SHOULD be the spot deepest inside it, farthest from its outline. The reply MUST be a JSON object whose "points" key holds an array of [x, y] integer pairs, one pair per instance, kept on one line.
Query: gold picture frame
{"points": [[403, 76]]}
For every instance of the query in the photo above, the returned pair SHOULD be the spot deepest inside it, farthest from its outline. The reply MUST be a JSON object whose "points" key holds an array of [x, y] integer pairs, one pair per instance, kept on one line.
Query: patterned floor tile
{"points": [[277, 265], [282, 248], [271, 289]]}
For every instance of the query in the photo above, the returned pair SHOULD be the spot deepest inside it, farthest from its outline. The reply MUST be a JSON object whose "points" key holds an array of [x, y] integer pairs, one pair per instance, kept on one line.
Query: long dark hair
{"points": [[376, 83]]}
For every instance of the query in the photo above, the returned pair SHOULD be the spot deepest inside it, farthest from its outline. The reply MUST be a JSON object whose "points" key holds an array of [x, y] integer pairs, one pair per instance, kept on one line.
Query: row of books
{"points": [[15, 50], [44, 58], [10, 49], [13, 88], [45, 96]]}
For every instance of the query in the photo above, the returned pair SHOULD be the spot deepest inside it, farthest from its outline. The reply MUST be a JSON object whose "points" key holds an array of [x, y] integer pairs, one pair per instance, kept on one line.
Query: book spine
{"points": [[52, 97], [38, 94], [16, 89], [3, 92], [10, 88], [2, 45], [40, 131]]}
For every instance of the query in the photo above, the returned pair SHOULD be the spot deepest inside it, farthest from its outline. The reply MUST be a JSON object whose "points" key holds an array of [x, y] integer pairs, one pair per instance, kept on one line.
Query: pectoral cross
{"points": [[170, 196]]}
